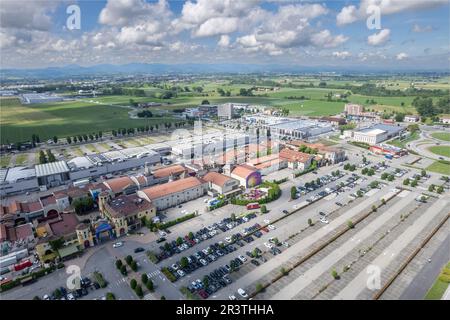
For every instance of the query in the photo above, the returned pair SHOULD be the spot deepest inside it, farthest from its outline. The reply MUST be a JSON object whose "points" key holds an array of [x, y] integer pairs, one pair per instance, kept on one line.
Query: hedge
{"points": [[176, 221], [273, 194], [100, 280], [35, 275], [168, 274]]}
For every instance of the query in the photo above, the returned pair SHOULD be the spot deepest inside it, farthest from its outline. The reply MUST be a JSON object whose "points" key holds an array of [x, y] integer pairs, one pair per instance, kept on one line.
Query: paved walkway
{"points": [[359, 283]]}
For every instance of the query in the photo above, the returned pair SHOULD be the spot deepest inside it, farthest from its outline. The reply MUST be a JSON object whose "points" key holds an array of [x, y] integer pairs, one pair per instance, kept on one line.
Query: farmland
{"points": [[18, 122]]}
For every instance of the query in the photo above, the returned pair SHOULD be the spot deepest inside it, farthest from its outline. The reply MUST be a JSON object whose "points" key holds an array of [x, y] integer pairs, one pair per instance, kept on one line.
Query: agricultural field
{"points": [[444, 136], [18, 122]]}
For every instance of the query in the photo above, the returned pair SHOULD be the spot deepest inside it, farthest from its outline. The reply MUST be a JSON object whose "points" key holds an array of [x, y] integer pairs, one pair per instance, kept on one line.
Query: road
{"points": [[423, 281]]}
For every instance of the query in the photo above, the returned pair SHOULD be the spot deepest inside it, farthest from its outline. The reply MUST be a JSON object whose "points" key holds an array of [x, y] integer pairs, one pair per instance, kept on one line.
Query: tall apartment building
{"points": [[225, 111], [353, 109]]}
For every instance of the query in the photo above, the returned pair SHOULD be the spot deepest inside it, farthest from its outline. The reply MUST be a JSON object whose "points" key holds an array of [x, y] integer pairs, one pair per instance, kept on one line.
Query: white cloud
{"points": [[401, 56], [347, 15], [216, 26], [379, 38], [342, 54], [326, 40], [350, 14], [224, 41], [418, 29]]}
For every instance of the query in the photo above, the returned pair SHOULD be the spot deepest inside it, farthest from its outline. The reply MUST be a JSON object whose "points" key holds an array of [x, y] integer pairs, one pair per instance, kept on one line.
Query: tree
{"points": [[55, 139], [284, 272], [191, 235], [423, 173], [399, 117], [414, 183], [128, 259], [119, 264], [383, 201], [144, 278], [123, 270], [110, 296], [69, 140], [293, 193], [431, 187], [139, 291], [149, 285], [406, 182], [350, 224], [205, 102], [440, 189], [134, 266], [374, 208], [184, 262], [58, 294], [310, 223], [42, 157], [50, 156], [233, 217], [133, 284], [263, 208], [163, 298], [179, 241], [334, 274], [259, 287]]}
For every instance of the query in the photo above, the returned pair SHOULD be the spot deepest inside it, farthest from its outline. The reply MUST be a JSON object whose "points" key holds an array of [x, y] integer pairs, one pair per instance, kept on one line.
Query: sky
{"points": [[374, 33]]}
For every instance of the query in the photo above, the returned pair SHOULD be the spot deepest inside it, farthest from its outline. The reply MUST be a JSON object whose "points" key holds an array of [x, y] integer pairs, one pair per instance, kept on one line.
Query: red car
{"points": [[203, 294], [265, 229]]}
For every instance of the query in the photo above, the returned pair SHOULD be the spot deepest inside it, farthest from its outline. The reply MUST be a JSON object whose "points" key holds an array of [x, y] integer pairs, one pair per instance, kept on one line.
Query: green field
{"points": [[444, 136], [440, 285], [18, 122], [440, 150], [440, 167], [4, 161], [21, 159]]}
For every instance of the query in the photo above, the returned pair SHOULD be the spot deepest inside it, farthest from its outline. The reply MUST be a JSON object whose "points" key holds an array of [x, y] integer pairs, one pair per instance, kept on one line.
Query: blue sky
{"points": [[412, 33]]}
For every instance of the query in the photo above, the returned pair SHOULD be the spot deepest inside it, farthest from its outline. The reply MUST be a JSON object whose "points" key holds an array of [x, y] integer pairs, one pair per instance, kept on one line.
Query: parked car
{"points": [[242, 293], [117, 244], [139, 249]]}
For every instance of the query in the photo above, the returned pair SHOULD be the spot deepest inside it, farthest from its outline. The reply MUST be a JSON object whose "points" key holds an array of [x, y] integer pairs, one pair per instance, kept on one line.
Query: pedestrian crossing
{"points": [[153, 274]]}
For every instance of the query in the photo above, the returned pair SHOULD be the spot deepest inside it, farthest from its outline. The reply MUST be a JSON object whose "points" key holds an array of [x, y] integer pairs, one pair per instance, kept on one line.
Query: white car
{"points": [[323, 220], [267, 221], [181, 273], [174, 266], [162, 234], [70, 296], [242, 293], [242, 258], [268, 245], [271, 227], [203, 262], [228, 239], [118, 244]]}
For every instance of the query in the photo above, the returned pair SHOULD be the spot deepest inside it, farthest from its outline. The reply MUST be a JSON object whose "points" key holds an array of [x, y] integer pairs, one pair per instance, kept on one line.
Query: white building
{"points": [[225, 111], [411, 118], [221, 184]]}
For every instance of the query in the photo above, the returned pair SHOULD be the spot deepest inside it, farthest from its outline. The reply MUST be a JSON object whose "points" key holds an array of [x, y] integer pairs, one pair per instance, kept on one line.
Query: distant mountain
{"points": [[159, 69]]}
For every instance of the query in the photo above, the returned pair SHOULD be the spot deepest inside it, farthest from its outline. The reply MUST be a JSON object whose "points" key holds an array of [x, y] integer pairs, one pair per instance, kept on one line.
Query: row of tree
{"points": [[46, 157]]}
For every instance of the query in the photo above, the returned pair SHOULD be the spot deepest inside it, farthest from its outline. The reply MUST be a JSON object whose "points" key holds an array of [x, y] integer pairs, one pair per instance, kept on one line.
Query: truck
{"points": [[22, 265]]}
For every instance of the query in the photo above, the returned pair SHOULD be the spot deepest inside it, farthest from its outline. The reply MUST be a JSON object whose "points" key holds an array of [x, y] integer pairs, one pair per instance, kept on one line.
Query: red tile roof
{"points": [[294, 156], [172, 187], [65, 225], [165, 172], [217, 178], [117, 185], [243, 170]]}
